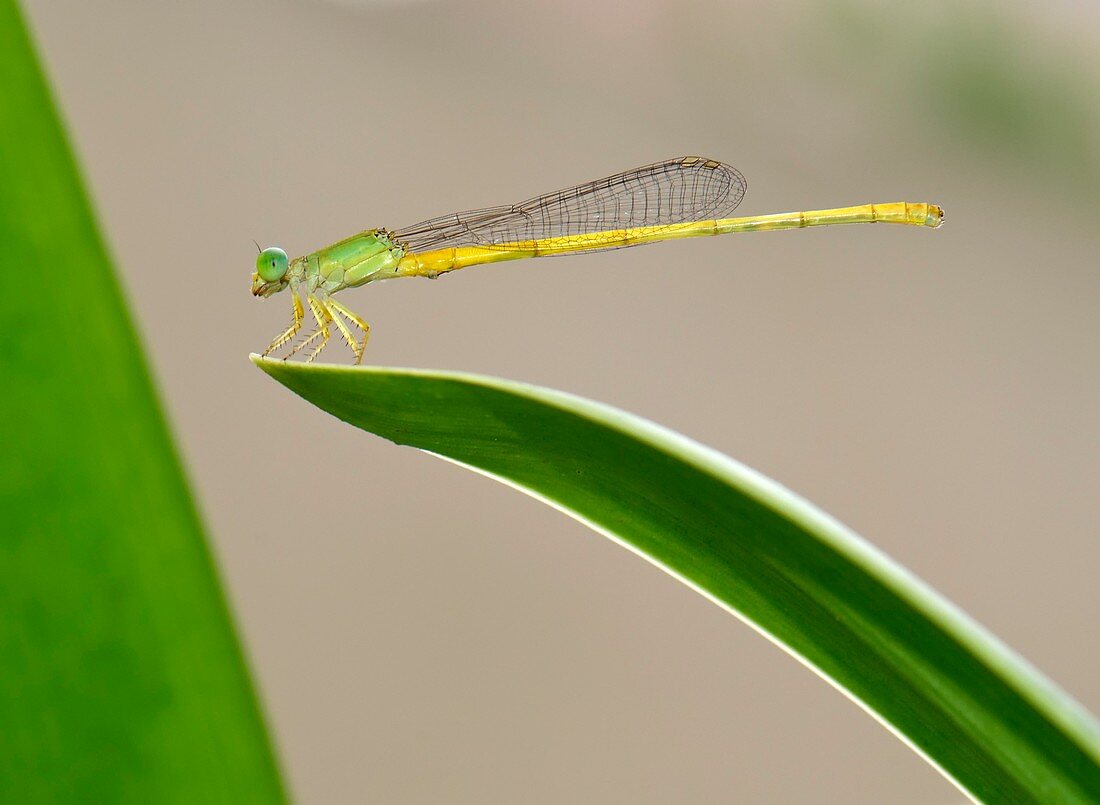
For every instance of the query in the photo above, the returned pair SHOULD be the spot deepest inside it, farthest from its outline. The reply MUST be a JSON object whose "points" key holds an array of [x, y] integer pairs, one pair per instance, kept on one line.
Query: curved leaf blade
{"points": [[979, 713]]}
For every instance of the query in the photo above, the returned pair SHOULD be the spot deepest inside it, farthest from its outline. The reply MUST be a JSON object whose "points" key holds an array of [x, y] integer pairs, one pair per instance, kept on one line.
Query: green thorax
{"points": [[353, 261]]}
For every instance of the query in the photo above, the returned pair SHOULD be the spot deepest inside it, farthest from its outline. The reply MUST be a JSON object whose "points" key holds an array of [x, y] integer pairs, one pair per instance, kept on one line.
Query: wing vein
{"points": [[663, 194]]}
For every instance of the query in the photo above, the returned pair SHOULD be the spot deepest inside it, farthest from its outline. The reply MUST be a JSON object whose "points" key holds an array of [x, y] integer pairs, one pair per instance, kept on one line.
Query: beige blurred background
{"points": [[421, 634]]}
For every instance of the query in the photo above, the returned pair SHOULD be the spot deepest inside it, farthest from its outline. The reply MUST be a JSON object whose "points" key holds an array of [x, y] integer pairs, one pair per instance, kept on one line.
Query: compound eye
{"points": [[271, 264]]}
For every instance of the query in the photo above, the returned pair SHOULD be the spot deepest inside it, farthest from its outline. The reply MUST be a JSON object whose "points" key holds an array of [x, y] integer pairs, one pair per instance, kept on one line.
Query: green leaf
{"points": [[120, 675], [948, 688]]}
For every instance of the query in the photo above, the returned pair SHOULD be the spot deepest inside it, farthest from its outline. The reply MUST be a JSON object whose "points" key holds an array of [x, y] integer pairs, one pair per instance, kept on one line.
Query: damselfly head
{"points": [[270, 275]]}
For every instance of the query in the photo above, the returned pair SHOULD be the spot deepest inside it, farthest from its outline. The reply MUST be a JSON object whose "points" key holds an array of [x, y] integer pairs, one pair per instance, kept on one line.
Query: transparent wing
{"points": [[665, 193]]}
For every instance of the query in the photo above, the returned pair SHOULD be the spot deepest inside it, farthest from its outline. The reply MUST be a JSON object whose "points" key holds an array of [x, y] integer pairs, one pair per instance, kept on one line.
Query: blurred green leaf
{"points": [[980, 74], [980, 713], [120, 676]]}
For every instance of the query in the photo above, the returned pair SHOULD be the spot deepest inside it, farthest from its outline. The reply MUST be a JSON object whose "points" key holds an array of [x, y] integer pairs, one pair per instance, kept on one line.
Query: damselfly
{"points": [[680, 198]]}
